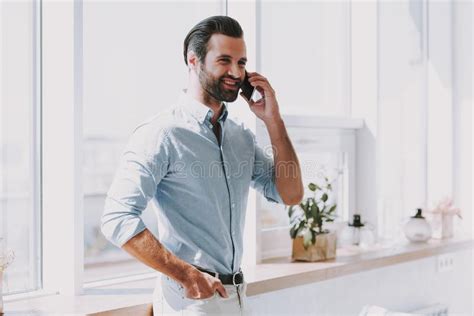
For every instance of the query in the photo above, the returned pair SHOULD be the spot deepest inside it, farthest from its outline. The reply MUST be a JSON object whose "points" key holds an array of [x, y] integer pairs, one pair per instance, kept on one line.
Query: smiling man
{"points": [[197, 165]]}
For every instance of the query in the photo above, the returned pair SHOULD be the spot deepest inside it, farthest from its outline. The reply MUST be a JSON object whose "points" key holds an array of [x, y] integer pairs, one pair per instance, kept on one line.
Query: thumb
{"points": [[221, 290]]}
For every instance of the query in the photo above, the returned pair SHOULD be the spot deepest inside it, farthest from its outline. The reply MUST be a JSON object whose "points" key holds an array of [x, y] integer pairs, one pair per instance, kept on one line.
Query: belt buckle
{"points": [[233, 278]]}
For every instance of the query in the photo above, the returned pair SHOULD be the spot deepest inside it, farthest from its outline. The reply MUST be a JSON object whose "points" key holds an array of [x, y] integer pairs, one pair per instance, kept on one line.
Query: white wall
{"points": [[403, 287], [401, 136], [462, 106], [304, 51], [415, 148], [133, 60]]}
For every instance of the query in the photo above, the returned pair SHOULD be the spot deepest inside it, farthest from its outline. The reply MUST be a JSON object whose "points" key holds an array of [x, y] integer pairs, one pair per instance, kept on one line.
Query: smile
{"points": [[230, 84]]}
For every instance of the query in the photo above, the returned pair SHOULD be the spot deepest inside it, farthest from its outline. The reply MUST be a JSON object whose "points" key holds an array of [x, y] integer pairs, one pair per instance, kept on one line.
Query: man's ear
{"points": [[192, 60]]}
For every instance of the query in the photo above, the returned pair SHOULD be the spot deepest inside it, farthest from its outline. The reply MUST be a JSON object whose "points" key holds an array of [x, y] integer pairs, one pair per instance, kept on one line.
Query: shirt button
{"points": [[233, 205], [228, 176]]}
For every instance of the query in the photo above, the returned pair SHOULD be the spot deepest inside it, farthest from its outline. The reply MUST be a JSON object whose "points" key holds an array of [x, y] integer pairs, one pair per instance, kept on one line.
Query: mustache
{"points": [[239, 82]]}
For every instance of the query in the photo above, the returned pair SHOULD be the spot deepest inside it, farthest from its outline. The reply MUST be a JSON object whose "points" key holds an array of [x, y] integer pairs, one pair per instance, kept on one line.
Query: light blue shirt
{"points": [[200, 189]]}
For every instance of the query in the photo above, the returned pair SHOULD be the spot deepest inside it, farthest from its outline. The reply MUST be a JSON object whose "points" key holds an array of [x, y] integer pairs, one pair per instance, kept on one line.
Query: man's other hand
{"points": [[200, 285]]}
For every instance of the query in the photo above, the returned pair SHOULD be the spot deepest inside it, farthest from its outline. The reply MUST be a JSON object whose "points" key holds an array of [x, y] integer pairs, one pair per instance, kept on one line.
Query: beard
{"points": [[215, 86]]}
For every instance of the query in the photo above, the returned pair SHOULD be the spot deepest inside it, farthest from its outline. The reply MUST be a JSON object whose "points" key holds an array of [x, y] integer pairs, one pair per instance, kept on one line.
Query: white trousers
{"points": [[169, 299]]}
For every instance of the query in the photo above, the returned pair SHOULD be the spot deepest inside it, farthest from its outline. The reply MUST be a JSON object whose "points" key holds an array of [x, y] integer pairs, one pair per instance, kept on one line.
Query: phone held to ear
{"points": [[249, 91]]}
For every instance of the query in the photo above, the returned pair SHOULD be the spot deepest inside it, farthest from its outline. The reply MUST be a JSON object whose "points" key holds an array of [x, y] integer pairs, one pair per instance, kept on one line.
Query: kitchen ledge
{"points": [[281, 273], [271, 275]]}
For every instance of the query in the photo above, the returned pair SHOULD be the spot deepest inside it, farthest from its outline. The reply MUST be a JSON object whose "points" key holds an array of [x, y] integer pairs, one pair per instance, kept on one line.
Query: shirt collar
{"points": [[199, 111]]}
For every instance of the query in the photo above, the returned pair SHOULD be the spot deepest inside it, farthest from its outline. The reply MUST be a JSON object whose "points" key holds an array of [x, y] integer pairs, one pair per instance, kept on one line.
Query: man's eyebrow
{"points": [[228, 56]]}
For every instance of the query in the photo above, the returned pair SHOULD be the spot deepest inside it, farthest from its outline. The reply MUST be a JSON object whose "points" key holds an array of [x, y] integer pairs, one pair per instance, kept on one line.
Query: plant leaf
{"points": [[332, 209], [314, 211], [296, 228], [291, 211], [324, 198], [302, 206], [323, 209], [307, 209], [307, 238], [293, 232], [294, 220], [312, 186], [320, 223], [300, 226]]}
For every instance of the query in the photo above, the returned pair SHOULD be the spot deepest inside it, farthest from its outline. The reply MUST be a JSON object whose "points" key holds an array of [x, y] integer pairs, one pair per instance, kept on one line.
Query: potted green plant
{"points": [[311, 242]]}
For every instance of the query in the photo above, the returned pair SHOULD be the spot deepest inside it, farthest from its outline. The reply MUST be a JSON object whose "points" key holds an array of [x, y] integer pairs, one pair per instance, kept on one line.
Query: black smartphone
{"points": [[247, 88]]}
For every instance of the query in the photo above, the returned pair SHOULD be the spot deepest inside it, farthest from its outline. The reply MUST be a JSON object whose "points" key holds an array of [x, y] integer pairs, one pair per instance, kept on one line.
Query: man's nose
{"points": [[234, 71]]}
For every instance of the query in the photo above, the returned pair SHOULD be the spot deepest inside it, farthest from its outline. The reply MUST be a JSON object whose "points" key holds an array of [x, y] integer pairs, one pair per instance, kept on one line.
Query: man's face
{"points": [[223, 71]]}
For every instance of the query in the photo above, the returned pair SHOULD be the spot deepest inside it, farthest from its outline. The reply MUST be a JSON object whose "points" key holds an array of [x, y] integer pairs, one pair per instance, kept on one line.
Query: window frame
{"points": [[275, 242], [61, 42], [37, 159], [62, 77], [33, 221]]}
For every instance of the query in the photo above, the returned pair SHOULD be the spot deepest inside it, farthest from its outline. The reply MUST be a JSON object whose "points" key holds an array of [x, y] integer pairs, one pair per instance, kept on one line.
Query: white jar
{"points": [[417, 229]]}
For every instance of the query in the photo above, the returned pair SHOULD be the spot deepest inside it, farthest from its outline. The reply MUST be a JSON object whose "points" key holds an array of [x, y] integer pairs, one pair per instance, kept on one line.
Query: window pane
{"points": [[19, 158], [307, 57], [133, 68], [402, 114], [320, 156]]}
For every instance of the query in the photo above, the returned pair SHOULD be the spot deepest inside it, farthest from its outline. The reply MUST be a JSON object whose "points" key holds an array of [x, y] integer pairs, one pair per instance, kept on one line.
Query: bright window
{"points": [[19, 143], [305, 51], [133, 69], [322, 152], [308, 63]]}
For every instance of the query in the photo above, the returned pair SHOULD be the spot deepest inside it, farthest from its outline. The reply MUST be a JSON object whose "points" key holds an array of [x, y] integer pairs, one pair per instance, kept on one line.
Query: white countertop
{"points": [[275, 274]]}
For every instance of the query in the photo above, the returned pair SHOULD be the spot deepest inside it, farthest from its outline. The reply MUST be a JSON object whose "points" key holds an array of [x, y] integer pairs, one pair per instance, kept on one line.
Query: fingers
{"points": [[253, 74], [261, 83], [206, 288], [221, 290], [256, 76]]}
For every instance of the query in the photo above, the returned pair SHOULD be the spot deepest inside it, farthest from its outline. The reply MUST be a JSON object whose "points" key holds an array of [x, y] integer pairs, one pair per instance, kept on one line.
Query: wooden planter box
{"points": [[323, 249]]}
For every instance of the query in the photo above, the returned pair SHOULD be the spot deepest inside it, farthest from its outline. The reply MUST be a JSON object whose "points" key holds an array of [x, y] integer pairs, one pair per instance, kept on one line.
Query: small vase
{"points": [[442, 225], [447, 225]]}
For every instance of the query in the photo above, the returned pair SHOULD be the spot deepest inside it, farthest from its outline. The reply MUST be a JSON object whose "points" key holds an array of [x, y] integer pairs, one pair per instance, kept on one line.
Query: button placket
{"points": [[231, 199]]}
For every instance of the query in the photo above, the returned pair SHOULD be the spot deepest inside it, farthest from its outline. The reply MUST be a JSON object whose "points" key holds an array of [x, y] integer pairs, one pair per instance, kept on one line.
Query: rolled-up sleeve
{"points": [[143, 164], [263, 176]]}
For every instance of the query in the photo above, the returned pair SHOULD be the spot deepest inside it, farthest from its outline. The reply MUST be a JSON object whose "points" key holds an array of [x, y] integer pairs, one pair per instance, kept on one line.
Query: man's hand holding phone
{"points": [[265, 108]]}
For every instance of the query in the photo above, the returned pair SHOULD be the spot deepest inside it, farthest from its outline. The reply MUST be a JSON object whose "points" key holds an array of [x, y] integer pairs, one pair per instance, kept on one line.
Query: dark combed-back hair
{"points": [[199, 35]]}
